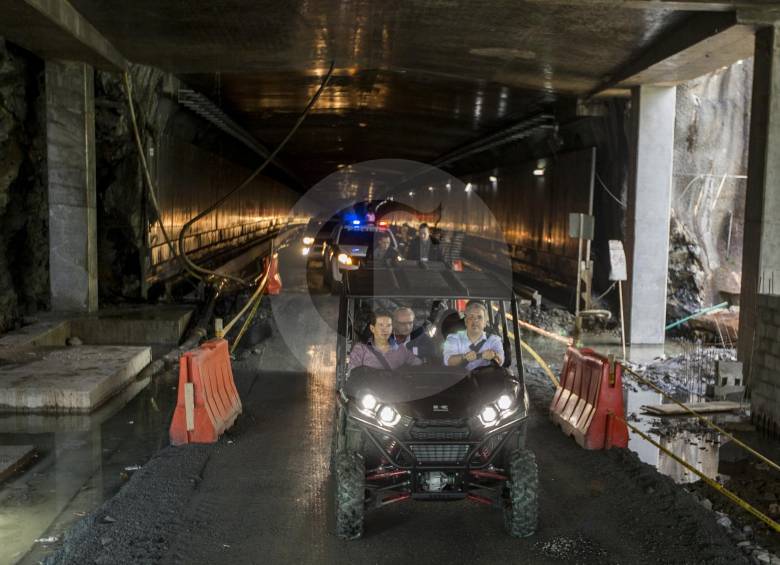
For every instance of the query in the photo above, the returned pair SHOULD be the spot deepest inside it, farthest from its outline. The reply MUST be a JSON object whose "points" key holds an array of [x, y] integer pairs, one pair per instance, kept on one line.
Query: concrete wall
{"points": [[765, 366]]}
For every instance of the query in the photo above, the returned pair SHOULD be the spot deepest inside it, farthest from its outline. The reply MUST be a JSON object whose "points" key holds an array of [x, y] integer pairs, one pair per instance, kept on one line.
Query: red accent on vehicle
{"points": [[489, 475], [480, 499], [396, 498], [386, 475]]}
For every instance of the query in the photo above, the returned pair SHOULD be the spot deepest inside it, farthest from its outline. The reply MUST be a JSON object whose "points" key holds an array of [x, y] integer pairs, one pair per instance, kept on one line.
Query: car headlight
{"points": [[345, 259], [308, 240], [306, 250]]}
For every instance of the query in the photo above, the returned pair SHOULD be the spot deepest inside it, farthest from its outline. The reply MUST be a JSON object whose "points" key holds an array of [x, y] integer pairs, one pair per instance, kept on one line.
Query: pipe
{"points": [[697, 314]]}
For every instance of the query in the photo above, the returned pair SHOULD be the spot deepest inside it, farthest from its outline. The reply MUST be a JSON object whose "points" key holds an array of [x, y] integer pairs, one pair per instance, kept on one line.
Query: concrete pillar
{"points": [[649, 208], [761, 243], [70, 141]]}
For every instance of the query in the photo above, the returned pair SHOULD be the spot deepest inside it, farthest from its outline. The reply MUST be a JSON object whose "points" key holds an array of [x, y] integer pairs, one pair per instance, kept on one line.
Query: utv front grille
{"points": [[439, 423], [485, 452], [440, 452], [439, 434]]}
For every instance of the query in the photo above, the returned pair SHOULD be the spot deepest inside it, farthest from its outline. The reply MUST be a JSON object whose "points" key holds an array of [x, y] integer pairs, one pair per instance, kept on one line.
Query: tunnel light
{"points": [[448, 186], [430, 189], [411, 193], [539, 172], [468, 187], [493, 179]]}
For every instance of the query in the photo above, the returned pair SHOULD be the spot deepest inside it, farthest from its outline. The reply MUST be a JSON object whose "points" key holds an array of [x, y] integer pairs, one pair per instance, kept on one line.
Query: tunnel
{"points": [[586, 182]]}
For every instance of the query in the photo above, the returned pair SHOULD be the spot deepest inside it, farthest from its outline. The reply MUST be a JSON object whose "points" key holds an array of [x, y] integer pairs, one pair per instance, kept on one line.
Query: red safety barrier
{"points": [[457, 265], [208, 402], [274, 285], [591, 391]]}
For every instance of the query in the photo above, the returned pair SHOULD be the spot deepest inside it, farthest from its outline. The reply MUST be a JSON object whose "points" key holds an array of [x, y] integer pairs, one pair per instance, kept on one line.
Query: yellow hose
{"points": [[541, 362]]}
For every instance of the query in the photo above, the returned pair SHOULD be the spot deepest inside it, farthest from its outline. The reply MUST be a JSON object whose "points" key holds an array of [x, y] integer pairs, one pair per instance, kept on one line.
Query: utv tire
{"points": [[521, 506], [350, 495]]}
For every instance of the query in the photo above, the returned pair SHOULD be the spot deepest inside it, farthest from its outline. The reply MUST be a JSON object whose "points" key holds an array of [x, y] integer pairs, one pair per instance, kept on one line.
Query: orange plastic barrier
{"points": [[208, 402], [591, 391], [274, 285]]}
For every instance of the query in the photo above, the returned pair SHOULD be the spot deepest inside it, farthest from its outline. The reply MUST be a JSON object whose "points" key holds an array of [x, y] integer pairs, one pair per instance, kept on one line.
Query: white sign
{"points": [[617, 261], [583, 221]]}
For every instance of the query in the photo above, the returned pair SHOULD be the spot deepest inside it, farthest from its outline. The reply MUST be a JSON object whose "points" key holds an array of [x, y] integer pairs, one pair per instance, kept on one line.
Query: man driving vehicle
{"points": [[473, 346], [416, 340], [380, 352]]}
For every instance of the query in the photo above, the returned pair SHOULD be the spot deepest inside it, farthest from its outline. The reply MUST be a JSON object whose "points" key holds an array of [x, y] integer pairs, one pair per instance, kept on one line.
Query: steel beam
{"points": [[701, 44], [54, 29], [678, 5]]}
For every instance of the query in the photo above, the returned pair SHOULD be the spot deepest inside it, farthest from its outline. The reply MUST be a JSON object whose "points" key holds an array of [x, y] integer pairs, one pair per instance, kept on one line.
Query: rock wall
{"points": [[708, 192], [24, 251]]}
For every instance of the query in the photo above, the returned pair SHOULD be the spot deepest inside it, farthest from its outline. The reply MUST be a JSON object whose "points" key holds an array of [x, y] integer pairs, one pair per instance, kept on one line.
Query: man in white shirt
{"points": [[473, 346]]}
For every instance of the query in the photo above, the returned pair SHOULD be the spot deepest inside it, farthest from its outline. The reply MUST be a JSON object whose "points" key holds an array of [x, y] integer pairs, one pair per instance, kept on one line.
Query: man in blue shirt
{"points": [[473, 346]]}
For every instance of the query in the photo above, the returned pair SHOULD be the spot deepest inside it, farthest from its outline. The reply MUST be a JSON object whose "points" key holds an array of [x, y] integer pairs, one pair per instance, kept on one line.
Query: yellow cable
{"points": [[702, 418], [541, 363], [714, 484]]}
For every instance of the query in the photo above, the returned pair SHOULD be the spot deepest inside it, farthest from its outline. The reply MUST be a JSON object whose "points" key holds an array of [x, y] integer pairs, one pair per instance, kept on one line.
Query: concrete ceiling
{"points": [[413, 79]]}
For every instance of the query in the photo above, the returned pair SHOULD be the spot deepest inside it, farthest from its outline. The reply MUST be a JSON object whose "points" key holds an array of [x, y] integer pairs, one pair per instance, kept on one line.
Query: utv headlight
{"points": [[489, 414], [389, 416], [504, 402], [503, 406], [368, 402], [308, 240]]}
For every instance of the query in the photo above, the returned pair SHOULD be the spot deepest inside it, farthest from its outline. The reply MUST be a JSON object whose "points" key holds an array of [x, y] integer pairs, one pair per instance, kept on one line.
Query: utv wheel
{"points": [[350, 495], [335, 286], [520, 510]]}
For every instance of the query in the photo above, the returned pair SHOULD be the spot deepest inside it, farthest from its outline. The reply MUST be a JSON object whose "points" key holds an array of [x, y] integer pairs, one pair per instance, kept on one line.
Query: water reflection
{"points": [[82, 461]]}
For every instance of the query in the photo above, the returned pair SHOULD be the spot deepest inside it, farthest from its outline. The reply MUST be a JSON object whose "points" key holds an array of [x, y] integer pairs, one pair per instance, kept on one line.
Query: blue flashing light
{"points": [[355, 222]]}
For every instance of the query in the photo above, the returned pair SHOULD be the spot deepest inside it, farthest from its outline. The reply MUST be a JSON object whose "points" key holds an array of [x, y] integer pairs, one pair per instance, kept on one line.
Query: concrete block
{"points": [[40, 334], [69, 379], [14, 457], [159, 325]]}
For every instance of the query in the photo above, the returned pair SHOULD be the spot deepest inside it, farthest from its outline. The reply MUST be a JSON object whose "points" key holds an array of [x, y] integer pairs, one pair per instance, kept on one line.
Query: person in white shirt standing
{"points": [[473, 346]]}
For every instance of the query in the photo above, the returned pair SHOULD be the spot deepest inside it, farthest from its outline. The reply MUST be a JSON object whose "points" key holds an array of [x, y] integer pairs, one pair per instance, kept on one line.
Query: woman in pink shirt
{"points": [[380, 352]]}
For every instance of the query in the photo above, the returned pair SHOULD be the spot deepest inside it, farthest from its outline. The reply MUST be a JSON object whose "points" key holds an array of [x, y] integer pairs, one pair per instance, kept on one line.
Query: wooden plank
{"points": [[698, 407]]}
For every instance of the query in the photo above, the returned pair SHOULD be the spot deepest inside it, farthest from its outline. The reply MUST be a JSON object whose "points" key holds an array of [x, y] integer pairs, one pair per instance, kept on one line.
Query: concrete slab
{"points": [[68, 379], [39, 334], [138, 326], [14, 457]]}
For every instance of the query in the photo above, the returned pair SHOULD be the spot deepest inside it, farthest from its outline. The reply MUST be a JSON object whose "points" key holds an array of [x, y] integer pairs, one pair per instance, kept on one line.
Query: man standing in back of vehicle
{"points": [[383, 252], [424, 247], [473, 346]]}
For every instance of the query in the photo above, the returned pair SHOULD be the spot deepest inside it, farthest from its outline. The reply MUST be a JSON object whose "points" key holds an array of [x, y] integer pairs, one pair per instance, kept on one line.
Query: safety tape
{"points": [[714, 484], [709, 423]]}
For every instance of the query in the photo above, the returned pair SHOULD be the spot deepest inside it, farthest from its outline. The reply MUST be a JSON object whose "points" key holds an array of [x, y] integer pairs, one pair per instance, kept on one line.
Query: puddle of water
{"points": [[81, 462]]}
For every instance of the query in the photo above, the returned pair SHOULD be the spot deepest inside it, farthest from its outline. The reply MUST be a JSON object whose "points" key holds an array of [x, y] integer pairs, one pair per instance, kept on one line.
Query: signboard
{"points": [[587, 222], [617, 261]]}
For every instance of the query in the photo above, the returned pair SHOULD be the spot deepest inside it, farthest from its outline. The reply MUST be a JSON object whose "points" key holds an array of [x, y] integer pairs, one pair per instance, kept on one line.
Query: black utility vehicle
{"points": [[431, 431]]}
